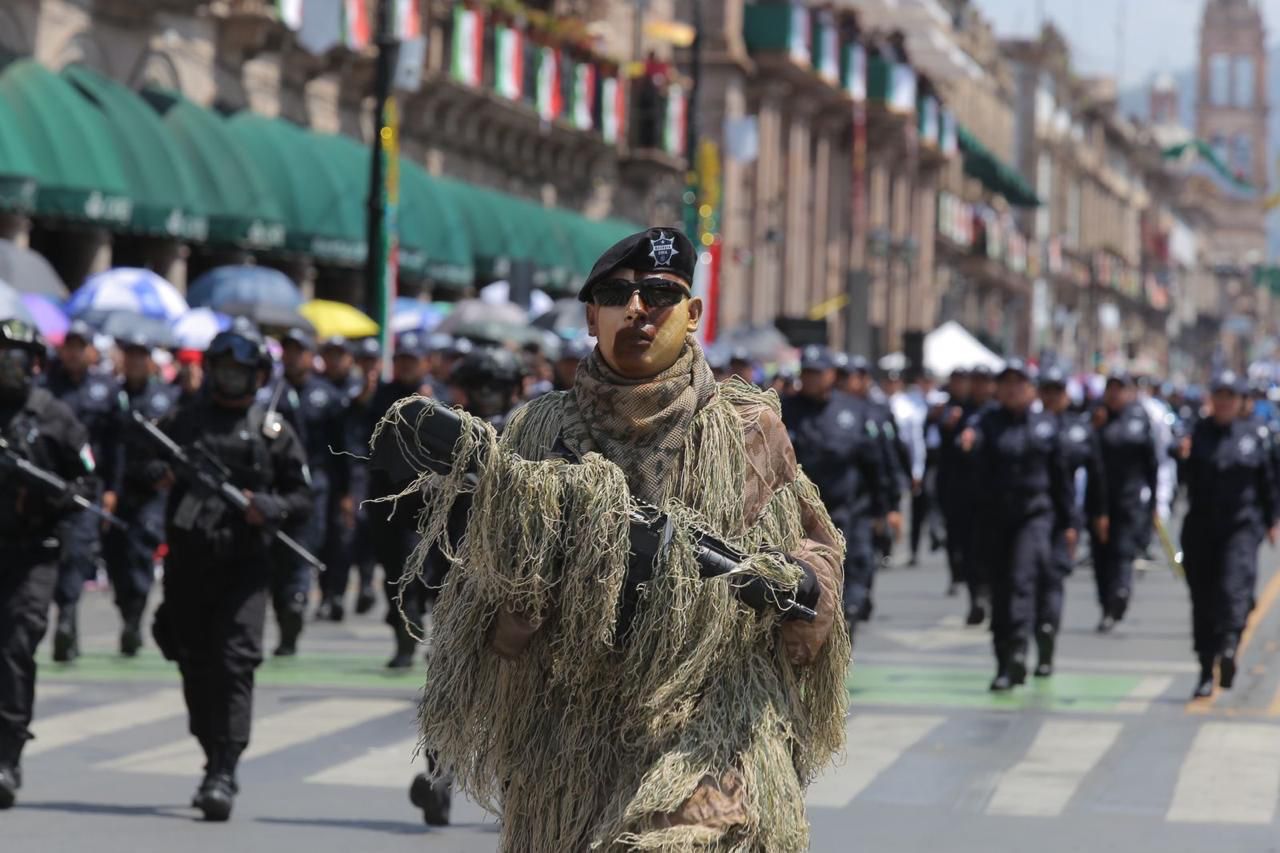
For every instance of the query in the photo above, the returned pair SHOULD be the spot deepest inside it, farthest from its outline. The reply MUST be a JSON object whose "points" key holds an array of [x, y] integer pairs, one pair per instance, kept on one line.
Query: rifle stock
{"points": [[47, 479]]}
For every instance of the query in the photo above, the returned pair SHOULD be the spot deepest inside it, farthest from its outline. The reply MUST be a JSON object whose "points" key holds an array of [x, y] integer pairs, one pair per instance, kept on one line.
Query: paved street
{"points": [[1106, 756]]}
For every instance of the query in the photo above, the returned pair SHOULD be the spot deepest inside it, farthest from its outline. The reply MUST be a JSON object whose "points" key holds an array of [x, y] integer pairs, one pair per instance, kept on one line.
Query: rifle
{"points": [[438, 428], [210, 475], [10, 458]]}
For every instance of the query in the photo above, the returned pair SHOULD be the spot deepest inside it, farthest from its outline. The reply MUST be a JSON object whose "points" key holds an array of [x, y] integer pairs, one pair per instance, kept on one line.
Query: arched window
{"points": [[1242, 81]]}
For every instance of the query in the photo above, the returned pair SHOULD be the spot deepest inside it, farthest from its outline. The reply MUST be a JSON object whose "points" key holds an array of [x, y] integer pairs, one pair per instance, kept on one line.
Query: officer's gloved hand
{"points": [[809, 590], [270, 507]]}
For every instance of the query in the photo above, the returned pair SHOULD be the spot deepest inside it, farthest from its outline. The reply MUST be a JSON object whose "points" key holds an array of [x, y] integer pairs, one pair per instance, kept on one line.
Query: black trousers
{"points": [[1050, 582], [211, 624], [1222, 571], [1018, 552], [1113, 561], [337, 550], [79, 533], [290, 574], [393, 543], [27, 579], [130, 554], [923, 516], [859, 564], [962, 559]]}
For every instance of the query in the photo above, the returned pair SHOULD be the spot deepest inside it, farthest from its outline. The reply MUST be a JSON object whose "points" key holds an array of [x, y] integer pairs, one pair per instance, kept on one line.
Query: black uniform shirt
{"points": [[46, 433], [1081, 449], [155, 401], [1228, 477], [839, 447], [94, 402], [1129, 460], [1021, 467]]}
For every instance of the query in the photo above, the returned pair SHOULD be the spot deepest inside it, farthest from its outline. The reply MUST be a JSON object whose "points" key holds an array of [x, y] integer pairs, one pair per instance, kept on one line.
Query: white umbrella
{"points": [[196, 328]]}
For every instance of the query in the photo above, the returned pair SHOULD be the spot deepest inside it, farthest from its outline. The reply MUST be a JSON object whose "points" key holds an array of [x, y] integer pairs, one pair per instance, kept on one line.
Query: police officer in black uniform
{"points": [[486, 382], [952, 479], [565, 368], [858, 382], [1082, 452], [45, 432], [93, 399], [317, 412], [395, 535], [130, 554], [219, 563], [338, 356], [1232, 504], [1027, 494], [368, 366], [839, 447], [1130, 466]]}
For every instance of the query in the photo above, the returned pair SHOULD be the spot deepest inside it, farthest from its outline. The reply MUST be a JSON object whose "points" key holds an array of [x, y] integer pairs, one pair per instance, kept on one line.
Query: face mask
{"points": [[232, 381], [15, 374], [489, 400]]}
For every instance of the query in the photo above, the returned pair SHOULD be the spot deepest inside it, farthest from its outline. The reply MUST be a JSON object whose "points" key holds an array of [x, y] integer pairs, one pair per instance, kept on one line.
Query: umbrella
{"points": [[243, 284], [130, 289], [11, 305], [471, 311], [268, 315], [49, 318], [338, 318], [763, 344], [567, 317], [196, 328], [498, 332], [117, 323], [29, 271], [414, 315]]}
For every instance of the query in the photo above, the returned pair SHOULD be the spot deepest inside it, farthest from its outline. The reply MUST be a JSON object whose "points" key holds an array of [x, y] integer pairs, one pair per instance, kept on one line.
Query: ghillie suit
{"points": [[696, 728]]}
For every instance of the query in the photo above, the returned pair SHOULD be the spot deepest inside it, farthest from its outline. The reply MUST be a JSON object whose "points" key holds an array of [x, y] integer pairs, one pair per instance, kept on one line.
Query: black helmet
{"points": [[487, 366], [15, 332], [243, 343]]}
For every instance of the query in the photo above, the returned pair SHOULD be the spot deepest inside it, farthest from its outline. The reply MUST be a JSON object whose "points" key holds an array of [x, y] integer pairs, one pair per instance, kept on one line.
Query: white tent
{"points": [[950, 346]]}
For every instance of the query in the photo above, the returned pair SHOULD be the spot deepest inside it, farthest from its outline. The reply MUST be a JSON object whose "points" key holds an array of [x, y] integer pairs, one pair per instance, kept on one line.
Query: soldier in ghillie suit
{"points": [[588, 711]]}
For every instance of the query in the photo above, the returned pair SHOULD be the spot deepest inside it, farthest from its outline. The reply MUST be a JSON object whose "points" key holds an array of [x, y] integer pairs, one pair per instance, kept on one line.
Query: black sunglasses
{"points": [[654, 292]]}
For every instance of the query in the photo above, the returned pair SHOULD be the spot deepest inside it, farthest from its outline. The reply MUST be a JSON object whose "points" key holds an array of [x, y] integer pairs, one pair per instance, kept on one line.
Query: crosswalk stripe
{"points": [[1043, 782], [875, 741], [75, 726], [45, 690], [1231, 775], [1145, 692], [384, 767], [310, 721]]}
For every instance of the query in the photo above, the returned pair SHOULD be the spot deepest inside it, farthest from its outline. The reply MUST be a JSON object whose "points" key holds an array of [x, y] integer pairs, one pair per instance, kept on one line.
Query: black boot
{"points": [[365, 599], [433, 798], [10, 770], [977, 611], [1227, 662], [1204, 686], [131, 634], [1003, 682], [66, 639], [290, 621], [1046, 640], [1018, 664], [217, 792], [405, 644], [1106, 624]]}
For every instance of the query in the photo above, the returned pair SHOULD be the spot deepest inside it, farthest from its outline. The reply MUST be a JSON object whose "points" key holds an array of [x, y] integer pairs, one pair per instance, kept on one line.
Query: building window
{"points": [[1242, 156], [1243, 81], [1073, 214], [1220, 80]]}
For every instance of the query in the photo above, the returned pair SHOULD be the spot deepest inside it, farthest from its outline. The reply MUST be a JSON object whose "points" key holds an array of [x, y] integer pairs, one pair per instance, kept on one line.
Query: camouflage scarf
{"points": [[638, 424]]}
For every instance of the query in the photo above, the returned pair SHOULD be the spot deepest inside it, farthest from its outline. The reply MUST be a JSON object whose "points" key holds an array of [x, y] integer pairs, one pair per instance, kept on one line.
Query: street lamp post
{"points": [[381, 238]]}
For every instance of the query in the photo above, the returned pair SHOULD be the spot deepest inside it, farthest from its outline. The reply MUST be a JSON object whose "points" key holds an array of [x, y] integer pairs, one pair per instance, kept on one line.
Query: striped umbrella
{"points": [[128, 289]]}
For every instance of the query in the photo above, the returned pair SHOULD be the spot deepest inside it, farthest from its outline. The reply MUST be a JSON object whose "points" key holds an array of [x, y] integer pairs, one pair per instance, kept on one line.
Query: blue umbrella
{"points": [[131, 290], [414, 315], [244, 285]]}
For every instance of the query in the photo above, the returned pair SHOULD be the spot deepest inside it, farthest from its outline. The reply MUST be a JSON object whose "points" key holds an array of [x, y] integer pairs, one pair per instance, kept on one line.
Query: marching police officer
{"points": [[1232, 504], [395, 535], [1131, 469], [858, 383], [42, 430], [316, 411], [1081, 450], [368, 366], [130, 554], [838, 445], [92, 398], [486, 382], [218, 567], [342, 510], [1027, 493]]}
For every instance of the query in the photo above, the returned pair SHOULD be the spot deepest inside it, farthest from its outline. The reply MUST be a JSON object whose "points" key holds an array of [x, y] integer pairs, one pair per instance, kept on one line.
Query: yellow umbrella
{"points": [[338, 318]]}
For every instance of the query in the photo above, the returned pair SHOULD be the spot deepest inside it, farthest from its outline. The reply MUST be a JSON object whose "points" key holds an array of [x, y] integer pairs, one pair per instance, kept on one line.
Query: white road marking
{"points": [[44, 690], [875, 741], [74, 726], [1231, 775], [309, 721], [385, 767], [1146, 691], [1043, 782]]}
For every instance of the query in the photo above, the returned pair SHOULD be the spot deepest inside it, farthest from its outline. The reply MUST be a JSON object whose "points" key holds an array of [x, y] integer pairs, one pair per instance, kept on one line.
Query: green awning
{"points": [[160, 180], [76, 164], [591, 237], [319, 183], [17, 172], [235, 195], [432, 229], [995, 174]]}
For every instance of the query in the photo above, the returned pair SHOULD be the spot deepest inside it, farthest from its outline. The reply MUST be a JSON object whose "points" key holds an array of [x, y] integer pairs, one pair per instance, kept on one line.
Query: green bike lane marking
{"points": [[869, 684]]}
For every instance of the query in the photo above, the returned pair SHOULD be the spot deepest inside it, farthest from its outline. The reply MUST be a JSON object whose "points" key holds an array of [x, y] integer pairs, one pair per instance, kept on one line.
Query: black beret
{"points": [[656, 250]]}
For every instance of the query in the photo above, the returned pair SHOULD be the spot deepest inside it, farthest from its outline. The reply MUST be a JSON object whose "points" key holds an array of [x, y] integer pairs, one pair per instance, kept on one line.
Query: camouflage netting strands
{"points": [[585, 742]]}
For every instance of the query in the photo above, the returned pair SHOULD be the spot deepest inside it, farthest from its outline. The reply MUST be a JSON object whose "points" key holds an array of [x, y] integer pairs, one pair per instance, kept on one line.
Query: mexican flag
{"points": [[468, 45], [677, 116], [408, 23], [830, 51], [613, 109], [357, 24], [290, 13], [855, 72], [584, 93], [508, 68], [799, 43], [548, 84]]}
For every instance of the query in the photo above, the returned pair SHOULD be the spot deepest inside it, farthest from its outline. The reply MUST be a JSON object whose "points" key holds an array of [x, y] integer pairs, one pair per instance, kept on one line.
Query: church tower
{"points": [[1231, 115]]}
